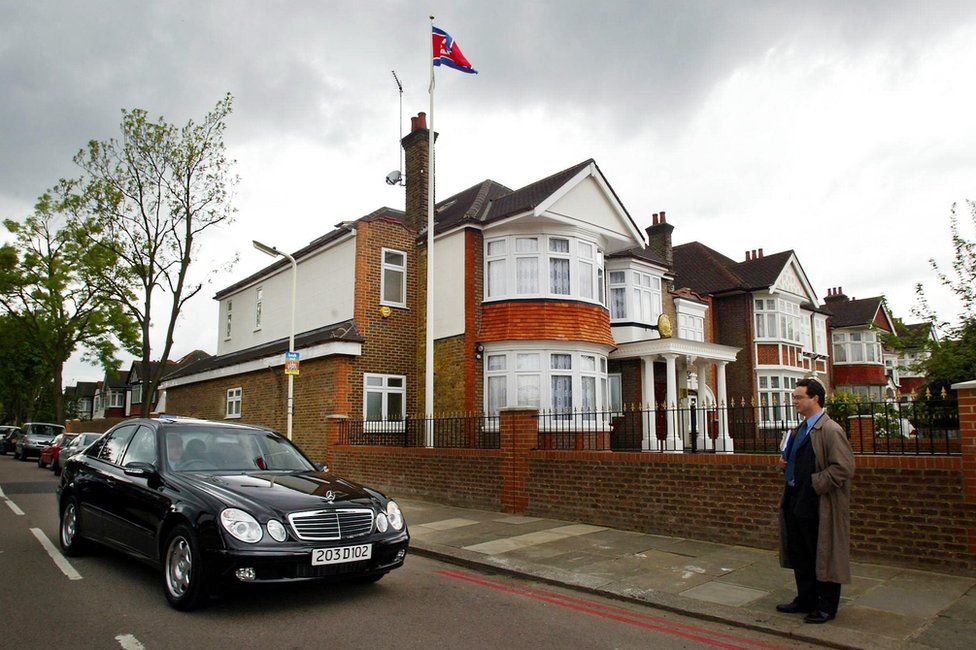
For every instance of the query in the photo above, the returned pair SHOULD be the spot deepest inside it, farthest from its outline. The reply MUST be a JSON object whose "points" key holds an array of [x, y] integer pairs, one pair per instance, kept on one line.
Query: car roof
{"points": [[47, 424], [179, 421]]}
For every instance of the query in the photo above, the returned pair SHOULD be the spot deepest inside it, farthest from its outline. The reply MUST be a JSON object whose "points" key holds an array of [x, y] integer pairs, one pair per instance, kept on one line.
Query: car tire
{"points": [[40, 463], [185, 582], [69, 529], [23, 455]]}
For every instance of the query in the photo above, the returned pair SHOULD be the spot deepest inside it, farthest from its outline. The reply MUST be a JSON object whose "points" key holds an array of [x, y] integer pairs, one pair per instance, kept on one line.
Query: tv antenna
{"points": [[395, 177]]}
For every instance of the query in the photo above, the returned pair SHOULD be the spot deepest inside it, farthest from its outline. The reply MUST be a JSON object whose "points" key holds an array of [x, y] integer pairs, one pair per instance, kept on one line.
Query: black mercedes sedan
{"points": [[212, 503]]}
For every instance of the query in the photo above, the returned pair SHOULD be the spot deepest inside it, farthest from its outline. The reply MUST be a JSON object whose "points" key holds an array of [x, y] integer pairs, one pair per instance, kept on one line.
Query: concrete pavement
{"points": [[884, 607]]}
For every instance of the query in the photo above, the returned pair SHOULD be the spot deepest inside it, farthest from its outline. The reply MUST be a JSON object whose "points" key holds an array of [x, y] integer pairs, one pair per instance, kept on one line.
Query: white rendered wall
{"points": [[325, 293], [588, 203], [448, 285]]}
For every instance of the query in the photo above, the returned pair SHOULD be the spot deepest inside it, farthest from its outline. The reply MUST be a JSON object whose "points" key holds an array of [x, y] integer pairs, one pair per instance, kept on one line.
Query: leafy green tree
{"points": [[26, 377], [153, 193], [952, 358], [50, 286]]}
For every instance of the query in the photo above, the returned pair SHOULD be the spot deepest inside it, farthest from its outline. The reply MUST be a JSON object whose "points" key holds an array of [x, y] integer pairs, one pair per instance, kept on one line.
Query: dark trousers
{"points": [[801, 541]]}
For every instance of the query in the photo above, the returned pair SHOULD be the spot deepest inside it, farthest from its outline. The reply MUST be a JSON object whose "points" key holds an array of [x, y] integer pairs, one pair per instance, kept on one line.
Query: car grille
{"points": [[320, 525]]}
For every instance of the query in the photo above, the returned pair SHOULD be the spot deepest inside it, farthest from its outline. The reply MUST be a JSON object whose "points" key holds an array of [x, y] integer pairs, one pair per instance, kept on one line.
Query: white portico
{"points": [[687, 364]]}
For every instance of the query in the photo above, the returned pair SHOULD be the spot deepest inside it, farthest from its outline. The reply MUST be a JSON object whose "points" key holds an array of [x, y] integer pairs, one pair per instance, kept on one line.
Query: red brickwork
{"points": [[734, 326], [768, 354], [473, 296], [533, 320], [100, 425], [858, 374]]}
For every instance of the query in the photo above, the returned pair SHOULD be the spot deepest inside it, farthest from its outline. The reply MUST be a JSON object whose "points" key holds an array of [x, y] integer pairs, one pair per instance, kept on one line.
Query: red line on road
{"points": [[614, 613]]}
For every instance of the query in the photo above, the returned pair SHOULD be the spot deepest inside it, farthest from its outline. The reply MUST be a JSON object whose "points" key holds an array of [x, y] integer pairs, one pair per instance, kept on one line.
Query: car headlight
{"points": [[382, 522], [277, 531], [241, 525], [394, 515]]}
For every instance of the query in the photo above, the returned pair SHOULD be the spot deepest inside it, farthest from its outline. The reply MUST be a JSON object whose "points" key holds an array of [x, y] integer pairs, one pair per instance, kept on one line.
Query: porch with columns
{"points": [[687, 365]]}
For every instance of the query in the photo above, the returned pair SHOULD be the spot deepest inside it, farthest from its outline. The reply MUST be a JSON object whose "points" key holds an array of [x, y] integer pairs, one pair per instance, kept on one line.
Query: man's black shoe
{"points": [[794, 607], [818, 616]]}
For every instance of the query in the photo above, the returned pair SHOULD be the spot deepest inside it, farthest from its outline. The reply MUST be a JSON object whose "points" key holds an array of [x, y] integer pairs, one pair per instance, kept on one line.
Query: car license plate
{"points": [[342, 554]]}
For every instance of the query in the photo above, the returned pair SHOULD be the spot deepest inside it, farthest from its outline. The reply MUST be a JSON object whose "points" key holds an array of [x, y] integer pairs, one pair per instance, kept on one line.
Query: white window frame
{"points": [[618, 285], [402, 270], [820, 335], [642, 290], [116, 398], [857, 347], [503, 257], [135, 396], [541, 373], [776, 397], [385, 390], [776, 319], [691, 327], [258, 307], [234, 403], [229, 317]]}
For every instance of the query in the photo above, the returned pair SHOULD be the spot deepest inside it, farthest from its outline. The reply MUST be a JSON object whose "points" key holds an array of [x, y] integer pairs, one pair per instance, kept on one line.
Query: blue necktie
{"points": [[791, 448]]}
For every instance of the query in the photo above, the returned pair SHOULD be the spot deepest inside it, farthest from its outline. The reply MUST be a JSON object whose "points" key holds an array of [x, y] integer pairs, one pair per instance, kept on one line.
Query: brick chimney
{"points": [[417, 166], [659, 238], [835, 294]]}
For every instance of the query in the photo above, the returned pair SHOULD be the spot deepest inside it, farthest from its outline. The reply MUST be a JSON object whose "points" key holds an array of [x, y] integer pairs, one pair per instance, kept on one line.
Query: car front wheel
{"points": [[70, 537], [184, 578]]}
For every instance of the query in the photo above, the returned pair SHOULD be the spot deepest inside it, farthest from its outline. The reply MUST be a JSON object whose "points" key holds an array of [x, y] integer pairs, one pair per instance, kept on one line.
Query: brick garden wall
{"points": [[905, 510], [459, 477]]}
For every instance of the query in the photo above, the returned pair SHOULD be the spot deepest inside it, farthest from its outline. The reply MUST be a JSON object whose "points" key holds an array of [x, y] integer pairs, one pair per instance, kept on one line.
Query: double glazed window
{"points": [[393, 279], [635, 296], [385, 397], [856, 347], [234, 399], [691, 327], [116, 398], [557, 380], [776, 397], [543, 266], [778, 319], [137, 394]]}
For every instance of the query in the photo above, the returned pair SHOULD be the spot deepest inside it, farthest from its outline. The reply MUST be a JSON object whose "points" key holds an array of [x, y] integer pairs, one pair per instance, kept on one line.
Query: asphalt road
{"points": [[115, 602]]}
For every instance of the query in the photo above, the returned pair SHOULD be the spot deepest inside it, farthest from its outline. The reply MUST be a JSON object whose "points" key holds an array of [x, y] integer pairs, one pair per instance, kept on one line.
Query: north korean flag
{"points": [[447, 52]]}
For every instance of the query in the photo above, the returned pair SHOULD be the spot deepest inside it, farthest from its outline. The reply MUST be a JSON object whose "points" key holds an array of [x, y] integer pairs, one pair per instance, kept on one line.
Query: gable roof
{"points": [[851, 313], [705, 270]]}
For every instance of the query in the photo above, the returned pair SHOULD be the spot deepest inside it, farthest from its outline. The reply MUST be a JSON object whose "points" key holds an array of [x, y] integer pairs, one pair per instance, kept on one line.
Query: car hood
{"points": [[282, 493]]}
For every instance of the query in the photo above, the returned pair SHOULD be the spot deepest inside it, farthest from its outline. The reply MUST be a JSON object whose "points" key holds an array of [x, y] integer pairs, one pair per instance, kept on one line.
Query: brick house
{"points": [[766, 306], [110, 395], [857, 329], [903, 365], [79, 400], [547, 296]]}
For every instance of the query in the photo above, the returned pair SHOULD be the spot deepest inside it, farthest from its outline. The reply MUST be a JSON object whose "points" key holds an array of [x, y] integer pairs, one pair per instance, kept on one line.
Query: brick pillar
{"points": [[967, 436], [862, 433], [518, 430], [333, 430]]}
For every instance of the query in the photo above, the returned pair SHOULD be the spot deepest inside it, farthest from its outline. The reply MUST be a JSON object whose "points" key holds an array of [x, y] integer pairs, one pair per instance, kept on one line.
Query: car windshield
{"points": [[230, 450], [49, 430], [88, 438]]}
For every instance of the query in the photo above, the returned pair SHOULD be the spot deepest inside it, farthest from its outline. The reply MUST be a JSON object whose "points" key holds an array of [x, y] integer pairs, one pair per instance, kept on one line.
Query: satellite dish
{"points": [[394, 177]]}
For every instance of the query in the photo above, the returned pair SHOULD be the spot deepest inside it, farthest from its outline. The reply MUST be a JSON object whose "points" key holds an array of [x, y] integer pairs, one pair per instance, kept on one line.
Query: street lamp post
{"points": [[274, 252]]}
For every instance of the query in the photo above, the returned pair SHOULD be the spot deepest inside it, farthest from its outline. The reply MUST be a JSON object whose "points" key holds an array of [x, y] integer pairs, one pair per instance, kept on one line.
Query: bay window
{"points": [[856, 347], [543, 266], [691, 327], [561, 380], [776, 397], [778, 319], [635, 296]]}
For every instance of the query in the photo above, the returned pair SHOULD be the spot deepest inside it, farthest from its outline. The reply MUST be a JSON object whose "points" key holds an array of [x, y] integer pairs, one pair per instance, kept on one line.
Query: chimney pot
{"points": [[663, 220], [421, 120], [760, 252], [747, 256], [654, 219]]}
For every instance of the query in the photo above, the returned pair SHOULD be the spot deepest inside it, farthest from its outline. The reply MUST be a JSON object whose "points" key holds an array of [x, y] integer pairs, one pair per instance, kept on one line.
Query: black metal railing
{"points": [[458, 432]]}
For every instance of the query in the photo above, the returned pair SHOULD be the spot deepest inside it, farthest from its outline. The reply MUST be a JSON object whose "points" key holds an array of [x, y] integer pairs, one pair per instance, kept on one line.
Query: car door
{"points": [[99, 487], [144, 502]]}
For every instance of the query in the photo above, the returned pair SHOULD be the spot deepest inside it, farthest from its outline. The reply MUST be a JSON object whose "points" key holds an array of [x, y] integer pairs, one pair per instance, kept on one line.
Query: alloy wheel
{"points": [[179, 564]]}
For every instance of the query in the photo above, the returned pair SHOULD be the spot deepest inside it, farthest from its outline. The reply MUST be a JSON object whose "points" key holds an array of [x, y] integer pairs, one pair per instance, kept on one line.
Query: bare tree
{"points": [[153, 193]]}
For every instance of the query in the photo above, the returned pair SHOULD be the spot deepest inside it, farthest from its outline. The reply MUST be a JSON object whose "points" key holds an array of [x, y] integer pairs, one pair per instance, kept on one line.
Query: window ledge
{"points": [[398, 305], [232, 417]]}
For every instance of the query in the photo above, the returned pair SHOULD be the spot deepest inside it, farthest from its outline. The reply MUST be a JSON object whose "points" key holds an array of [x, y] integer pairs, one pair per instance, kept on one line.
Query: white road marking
{"points": [[59, 560], [14, 507], [129, 642]]}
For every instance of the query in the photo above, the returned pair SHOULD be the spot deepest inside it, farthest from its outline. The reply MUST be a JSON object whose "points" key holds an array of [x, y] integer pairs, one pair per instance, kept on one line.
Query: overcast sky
{"points": [[842, 130]]}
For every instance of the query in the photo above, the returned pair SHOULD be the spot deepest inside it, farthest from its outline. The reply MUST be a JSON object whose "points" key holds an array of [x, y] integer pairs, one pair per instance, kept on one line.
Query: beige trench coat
{"points": [[832, 481]]}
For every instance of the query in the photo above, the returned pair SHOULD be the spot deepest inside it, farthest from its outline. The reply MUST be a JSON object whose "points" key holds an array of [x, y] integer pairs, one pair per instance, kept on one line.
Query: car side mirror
{"points": [[323, 467], [143, 470]]}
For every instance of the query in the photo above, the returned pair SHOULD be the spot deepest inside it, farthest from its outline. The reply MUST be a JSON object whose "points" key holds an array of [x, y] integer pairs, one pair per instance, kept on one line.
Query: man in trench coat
{"points": [[814, 514]]}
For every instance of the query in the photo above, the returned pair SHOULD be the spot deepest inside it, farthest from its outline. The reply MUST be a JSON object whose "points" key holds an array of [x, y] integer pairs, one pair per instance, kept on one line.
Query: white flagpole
{"points": [[429, 347]]}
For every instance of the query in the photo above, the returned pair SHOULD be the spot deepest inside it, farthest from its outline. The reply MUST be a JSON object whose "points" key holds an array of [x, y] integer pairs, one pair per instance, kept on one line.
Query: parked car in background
{"points": [[72, 447], [49, 454], [214, 501], [34, 437], [8, 437]]}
